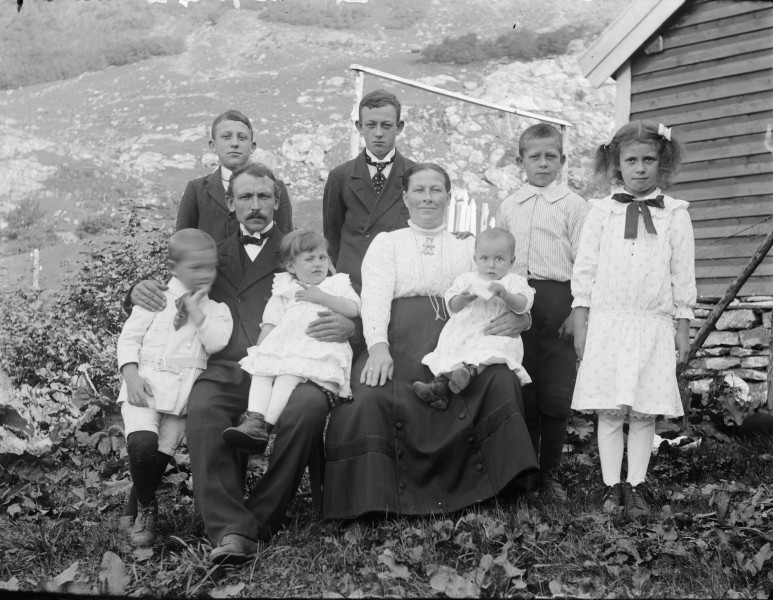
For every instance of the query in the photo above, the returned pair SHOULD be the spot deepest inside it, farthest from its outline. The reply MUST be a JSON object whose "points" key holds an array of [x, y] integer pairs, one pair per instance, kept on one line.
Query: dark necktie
{"points": [[378, 179], [181, 316], [632, 213], [249, 239]]}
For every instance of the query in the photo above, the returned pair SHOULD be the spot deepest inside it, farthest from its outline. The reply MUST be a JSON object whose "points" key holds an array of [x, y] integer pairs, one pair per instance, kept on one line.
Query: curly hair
{"points": [[606, 165]]}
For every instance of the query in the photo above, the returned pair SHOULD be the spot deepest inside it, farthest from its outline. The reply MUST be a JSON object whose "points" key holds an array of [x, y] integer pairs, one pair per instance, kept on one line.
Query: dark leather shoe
{"points": [[251, 435], [434, 393], [233, 549]]}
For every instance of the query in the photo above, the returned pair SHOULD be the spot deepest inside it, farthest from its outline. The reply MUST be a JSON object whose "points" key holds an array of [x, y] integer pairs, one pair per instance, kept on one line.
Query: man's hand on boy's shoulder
{"points": [[149, 295]]}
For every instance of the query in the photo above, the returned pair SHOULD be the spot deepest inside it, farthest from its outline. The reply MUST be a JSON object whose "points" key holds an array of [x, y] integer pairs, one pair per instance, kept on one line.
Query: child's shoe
{"points": [[143, 532], [251, 435], [460, 378], [613, 498], [434, 393], [635, 507]]}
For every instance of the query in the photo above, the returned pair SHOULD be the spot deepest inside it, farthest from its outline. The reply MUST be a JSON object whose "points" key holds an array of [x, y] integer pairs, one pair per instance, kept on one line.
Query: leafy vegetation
{"points": [[390, 14], [28, 226], [519, 44], [118, 33]]}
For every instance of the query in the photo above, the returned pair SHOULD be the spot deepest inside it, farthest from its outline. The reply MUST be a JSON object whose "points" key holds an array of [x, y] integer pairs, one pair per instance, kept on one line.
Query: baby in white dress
{"points": [[474, 300], [285, 355]]}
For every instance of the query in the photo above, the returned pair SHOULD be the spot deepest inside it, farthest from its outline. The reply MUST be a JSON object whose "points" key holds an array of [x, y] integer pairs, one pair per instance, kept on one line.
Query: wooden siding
{"points": [[713, 83]]}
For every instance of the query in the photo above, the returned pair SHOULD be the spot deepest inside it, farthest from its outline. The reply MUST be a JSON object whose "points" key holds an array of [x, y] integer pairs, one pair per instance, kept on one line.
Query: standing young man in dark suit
{"points": [[363, 196], [203, 205], [247, 262]]}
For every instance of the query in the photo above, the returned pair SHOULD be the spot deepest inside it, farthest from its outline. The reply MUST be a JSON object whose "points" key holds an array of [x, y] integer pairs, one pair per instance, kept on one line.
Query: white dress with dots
{"points": [[462, 339], [289, 350], [635, 288]]}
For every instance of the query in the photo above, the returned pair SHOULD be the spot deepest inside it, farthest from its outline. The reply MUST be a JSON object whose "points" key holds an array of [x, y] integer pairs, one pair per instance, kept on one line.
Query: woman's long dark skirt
{"points": [[388, 452]]}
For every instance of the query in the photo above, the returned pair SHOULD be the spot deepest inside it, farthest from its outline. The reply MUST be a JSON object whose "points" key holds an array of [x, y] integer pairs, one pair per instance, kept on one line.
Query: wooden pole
{"points": [[723, 303], [354, 135], [565, 169], [770, 370]]}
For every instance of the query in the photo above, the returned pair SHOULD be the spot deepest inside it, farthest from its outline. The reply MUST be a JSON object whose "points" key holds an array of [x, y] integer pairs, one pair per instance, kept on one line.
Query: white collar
{"points": [[551, 192], [177, 288], [423, 231], [258, 234], [387, 158], [653, 194], [225, 174]]}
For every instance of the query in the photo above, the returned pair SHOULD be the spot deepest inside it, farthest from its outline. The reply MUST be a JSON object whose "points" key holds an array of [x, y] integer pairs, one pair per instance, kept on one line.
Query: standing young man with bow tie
{"points": [[546, 218], [245, 273], [363, 196]]}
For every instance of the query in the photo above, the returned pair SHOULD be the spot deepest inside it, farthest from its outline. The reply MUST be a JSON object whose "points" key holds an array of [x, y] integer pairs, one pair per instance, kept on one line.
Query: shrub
{"points": [[390, 14], [45, 341], [27, 227], [94, 225], [519, 44]]}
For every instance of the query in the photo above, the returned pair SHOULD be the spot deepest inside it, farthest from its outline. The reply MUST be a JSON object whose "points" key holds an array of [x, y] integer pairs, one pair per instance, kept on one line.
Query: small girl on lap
{"points": [[633, 276], [475, 299], [285, 355]]}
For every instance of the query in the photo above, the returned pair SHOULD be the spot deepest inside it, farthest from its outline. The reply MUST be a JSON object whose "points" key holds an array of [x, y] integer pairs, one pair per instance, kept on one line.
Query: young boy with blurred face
{"points": [[160, 355], [363, 196], [203, 205], [546, 217]]}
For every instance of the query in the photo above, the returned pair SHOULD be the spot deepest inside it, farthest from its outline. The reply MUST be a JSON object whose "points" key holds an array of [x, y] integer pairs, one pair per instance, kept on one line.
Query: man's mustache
{"points": [[256, 214]]}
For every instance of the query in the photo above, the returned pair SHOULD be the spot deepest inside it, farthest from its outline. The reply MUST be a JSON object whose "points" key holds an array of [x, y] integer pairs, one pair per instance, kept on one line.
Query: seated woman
{"points": [[386, 452]]}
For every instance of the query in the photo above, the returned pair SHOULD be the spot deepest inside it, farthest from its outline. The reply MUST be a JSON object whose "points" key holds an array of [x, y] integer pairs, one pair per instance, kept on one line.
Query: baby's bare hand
{"points": [[497, 289], [310, 294]]}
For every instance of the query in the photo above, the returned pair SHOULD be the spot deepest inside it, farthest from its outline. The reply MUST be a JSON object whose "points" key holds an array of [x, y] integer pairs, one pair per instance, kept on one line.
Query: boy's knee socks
{"points": [[142, 447]]}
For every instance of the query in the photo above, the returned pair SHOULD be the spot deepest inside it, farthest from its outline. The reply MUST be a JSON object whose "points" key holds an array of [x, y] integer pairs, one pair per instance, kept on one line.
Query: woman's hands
{"points": [[379, 366], [508, 324], [682, 341], [149, 295]]}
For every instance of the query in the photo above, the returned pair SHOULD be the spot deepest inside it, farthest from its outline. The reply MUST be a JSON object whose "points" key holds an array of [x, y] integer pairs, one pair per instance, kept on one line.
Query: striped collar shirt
{"points": [[546, 222]]}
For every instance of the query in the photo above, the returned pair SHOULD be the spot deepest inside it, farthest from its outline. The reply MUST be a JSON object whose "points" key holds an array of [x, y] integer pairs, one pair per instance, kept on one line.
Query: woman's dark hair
{"points": [[411, 171], [606, 165], [297, 242]]}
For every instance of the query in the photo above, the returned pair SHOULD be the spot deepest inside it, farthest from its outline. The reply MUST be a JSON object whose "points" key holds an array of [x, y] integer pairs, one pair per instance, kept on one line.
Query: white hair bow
{"points": [[664, 131]]}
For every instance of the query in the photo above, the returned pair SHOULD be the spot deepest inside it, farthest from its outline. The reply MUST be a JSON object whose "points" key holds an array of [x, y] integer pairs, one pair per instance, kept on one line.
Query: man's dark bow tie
{"points": [[249, 239], [632, 213], [378, 179]]}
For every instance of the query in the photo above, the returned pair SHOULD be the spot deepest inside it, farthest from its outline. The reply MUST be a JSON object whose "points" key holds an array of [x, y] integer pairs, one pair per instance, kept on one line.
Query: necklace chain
{"points": [[429, 249]]}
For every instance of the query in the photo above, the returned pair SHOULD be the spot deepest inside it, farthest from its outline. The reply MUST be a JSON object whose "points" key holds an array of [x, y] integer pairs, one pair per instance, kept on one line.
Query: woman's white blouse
{"points": [[398, 265]]}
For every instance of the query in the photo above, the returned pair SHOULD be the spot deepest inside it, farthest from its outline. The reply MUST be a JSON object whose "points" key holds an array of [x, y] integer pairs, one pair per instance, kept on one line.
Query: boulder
{"points": [[751, 374], [722, 363], [736, 319], [754, 338], [767, 317], [507, 178], [722, 338], [755, 362]]}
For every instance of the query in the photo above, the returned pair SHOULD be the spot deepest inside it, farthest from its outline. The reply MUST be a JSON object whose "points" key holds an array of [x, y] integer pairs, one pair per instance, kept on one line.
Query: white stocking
{"points": [[641, 433], [611, 445], [283, 387], [260, 392]]}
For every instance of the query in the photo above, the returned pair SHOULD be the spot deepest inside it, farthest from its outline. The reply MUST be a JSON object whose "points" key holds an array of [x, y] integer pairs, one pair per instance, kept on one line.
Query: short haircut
{"points": [[256, 170], [418, 167], [185, 240], [606, 165], [540, 131], [231, 115], [379, 98], [297, 242], [497, 234]]}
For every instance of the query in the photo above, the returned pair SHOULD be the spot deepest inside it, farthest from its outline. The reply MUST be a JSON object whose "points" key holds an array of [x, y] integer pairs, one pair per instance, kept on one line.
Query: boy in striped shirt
{"points": [[546, 217]]}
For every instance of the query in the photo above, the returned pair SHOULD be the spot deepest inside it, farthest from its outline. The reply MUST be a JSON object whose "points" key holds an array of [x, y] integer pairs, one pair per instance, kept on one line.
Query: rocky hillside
{"points": [[75, 151]]}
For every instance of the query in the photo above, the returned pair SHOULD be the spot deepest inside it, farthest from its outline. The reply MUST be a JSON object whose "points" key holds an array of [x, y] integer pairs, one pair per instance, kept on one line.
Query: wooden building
{"points": [[704, 68]]}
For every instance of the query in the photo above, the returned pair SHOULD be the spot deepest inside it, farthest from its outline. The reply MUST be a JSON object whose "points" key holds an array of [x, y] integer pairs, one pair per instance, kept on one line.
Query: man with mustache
{"points": [[247, 262]]}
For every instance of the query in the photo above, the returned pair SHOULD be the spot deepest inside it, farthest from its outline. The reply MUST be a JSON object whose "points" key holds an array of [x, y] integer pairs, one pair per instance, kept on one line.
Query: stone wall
{"points": [[739, 346]]}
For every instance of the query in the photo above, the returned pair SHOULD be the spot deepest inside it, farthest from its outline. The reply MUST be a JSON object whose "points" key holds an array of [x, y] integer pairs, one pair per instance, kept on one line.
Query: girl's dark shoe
{"points": [[613, 498], [460, 378], [635, 507], [434, 393], [251, 435]]}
